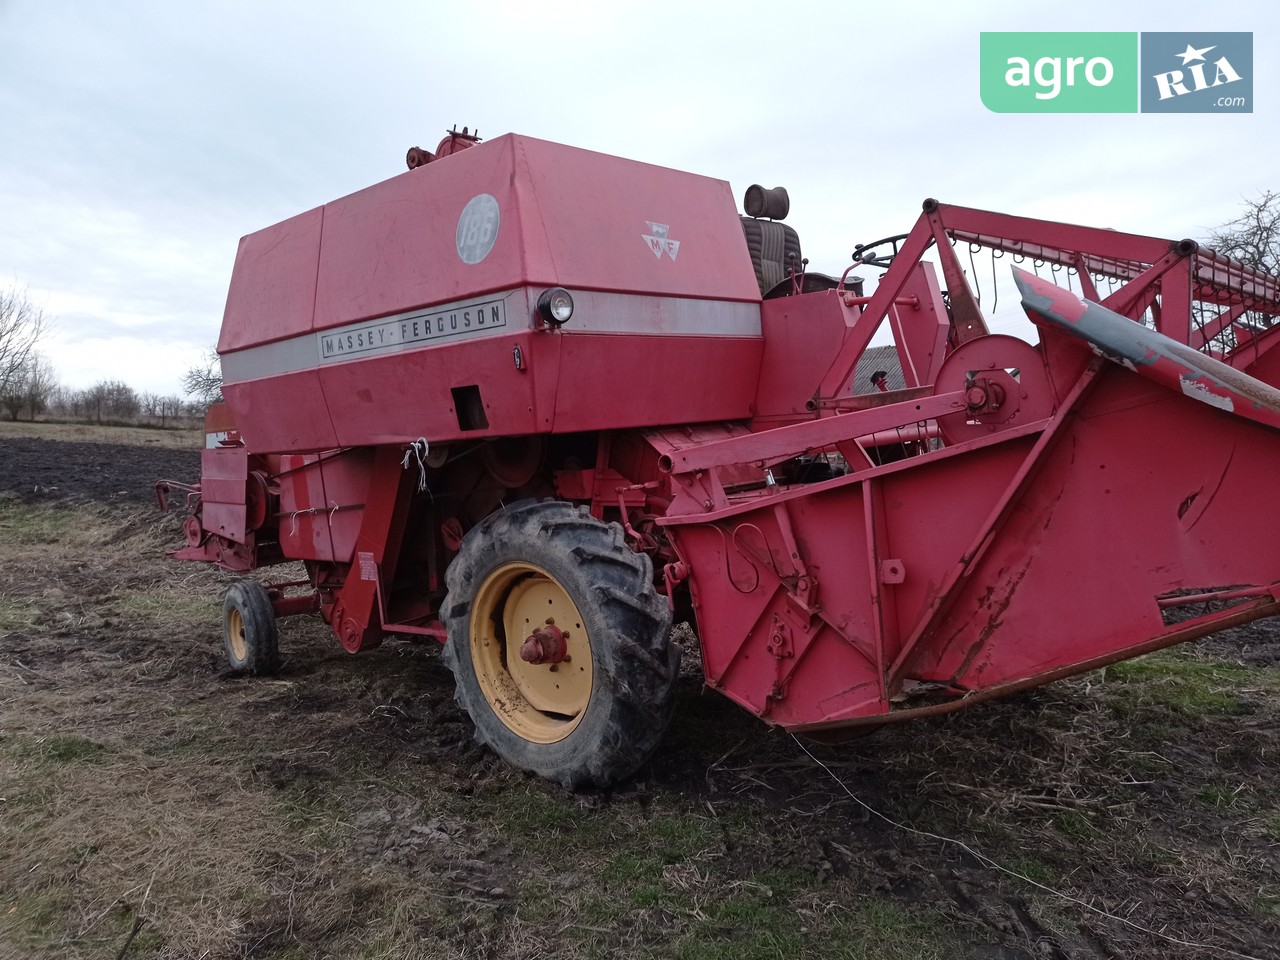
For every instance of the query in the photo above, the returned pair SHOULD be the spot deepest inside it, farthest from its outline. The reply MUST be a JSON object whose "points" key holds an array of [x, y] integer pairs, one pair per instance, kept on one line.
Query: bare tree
{"points": [[42, 381], [67, 402], [94, 399], [29, 388], [170, 406], [82, 402], [114, 398], [13, 394], [1253, 238], [22, 325], [61, 399], [203, 382]]}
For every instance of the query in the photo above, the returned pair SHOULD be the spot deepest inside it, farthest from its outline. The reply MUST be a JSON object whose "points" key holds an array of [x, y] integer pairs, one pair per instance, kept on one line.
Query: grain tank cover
{"points": [[510, 212], [367, 319]]}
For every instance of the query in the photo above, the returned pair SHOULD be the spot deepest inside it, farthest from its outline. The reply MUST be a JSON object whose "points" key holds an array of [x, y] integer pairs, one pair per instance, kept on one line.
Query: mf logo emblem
{"points": [[659, 242]]}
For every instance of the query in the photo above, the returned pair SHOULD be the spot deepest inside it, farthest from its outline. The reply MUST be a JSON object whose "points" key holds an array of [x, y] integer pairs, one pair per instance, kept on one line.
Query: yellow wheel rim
{"points": [[235, 629], [541, 702]]}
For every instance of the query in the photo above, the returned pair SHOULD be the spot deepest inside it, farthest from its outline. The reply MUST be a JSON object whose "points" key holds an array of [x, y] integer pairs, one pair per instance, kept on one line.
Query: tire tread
{"points": [[634, 698]]}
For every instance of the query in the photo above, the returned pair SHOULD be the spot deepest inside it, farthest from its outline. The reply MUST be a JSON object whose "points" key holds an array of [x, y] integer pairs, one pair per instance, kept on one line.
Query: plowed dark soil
{"points": [[35, 469], [154, 805]]}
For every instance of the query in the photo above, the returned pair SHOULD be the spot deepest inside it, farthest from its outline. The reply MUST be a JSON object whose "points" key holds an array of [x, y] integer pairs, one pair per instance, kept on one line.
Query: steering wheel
{"points": [[865, 253]]}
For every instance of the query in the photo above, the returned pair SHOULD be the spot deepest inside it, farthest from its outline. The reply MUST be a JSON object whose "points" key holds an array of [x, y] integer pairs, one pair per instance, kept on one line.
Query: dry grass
{"points": [[98, 834], [314, 813], [184, 438], [342, 810]]}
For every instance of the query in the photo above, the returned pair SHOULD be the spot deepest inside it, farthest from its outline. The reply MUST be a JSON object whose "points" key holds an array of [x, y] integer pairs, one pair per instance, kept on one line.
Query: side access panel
{"points": [[322, 501]]}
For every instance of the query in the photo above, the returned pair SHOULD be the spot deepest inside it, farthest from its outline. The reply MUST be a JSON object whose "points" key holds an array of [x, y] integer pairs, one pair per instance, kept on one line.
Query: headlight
{"points": [[555, 306]]}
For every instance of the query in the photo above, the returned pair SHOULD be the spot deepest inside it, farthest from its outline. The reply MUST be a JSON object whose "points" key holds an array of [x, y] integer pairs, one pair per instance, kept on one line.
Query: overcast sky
{"points": [[140, 140]]}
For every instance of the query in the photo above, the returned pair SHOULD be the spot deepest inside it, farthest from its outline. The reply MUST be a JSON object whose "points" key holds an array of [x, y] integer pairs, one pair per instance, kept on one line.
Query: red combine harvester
{"points": [[527, 400]]}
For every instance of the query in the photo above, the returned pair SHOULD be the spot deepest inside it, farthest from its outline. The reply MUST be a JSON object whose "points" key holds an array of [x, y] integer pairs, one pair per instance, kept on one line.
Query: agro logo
{"points": [[1049, 73], [1074, 72], [477, 228], [1174, 84]]}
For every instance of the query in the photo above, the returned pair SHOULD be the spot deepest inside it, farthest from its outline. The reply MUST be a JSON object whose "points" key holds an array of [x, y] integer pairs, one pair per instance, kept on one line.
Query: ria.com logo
{"points": [[1197, 73], [1100, 72]]}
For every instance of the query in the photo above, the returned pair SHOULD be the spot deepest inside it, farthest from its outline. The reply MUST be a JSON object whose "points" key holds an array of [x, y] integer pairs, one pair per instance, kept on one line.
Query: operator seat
{"points": [[774, 246]]}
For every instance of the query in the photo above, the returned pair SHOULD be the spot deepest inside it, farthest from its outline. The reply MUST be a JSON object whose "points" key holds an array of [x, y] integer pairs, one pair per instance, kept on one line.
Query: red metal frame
{"points": [[1180, 274], [983, 556], [1016, 514]]}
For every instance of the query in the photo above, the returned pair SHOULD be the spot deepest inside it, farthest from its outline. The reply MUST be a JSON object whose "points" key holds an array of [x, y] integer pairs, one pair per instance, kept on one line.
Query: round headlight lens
{"points": [[555, 306]]}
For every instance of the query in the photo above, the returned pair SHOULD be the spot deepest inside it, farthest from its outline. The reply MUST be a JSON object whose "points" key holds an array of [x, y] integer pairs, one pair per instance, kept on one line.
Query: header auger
{"points": [[533, 402]]}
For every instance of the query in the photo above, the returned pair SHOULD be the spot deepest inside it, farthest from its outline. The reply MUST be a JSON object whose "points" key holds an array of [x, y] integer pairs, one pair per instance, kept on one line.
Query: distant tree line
{"points": [[29, 385], [106, 401], [114, 400]]}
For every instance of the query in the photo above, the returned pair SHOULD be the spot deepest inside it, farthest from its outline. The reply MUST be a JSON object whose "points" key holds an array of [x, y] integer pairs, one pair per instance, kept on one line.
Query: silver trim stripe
{"points": [[384, 336], [370, 338], [504, 312], [598, 312]]}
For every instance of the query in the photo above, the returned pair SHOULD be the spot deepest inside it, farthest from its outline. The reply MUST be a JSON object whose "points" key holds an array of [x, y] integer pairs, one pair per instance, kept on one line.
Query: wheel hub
{"points": [[235, 627], [547, 645], [1004, 383], [531, 652]]}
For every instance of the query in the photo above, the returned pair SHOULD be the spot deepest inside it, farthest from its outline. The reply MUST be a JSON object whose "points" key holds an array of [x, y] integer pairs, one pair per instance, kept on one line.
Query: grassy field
{"points": [[180, 438], [152, 805]]}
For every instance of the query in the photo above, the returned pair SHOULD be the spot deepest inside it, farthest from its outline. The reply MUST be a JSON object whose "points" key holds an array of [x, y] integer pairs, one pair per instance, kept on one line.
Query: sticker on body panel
{"points": [[659, 242], [477, 228]]}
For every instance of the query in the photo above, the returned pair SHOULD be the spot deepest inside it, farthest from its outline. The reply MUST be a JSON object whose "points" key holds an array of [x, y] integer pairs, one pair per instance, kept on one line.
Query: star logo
{"points": [[1196, 72], [1191, 53], [659, 242]]}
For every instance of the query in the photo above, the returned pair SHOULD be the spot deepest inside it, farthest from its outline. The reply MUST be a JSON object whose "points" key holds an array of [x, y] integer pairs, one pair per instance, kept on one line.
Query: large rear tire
{"points": [[595, 717]]}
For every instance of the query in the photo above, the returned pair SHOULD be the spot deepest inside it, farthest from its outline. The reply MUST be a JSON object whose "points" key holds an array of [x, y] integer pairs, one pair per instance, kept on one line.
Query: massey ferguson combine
{"points": [[526, 400]]}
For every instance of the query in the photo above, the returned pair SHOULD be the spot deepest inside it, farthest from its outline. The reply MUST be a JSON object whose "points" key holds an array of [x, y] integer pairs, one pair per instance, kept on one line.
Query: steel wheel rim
{"points": [[534, 701], [235, 631]]}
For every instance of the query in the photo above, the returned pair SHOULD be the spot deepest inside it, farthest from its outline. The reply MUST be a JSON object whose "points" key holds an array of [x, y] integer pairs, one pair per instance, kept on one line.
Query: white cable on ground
{"points": [[1219, 951]]}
